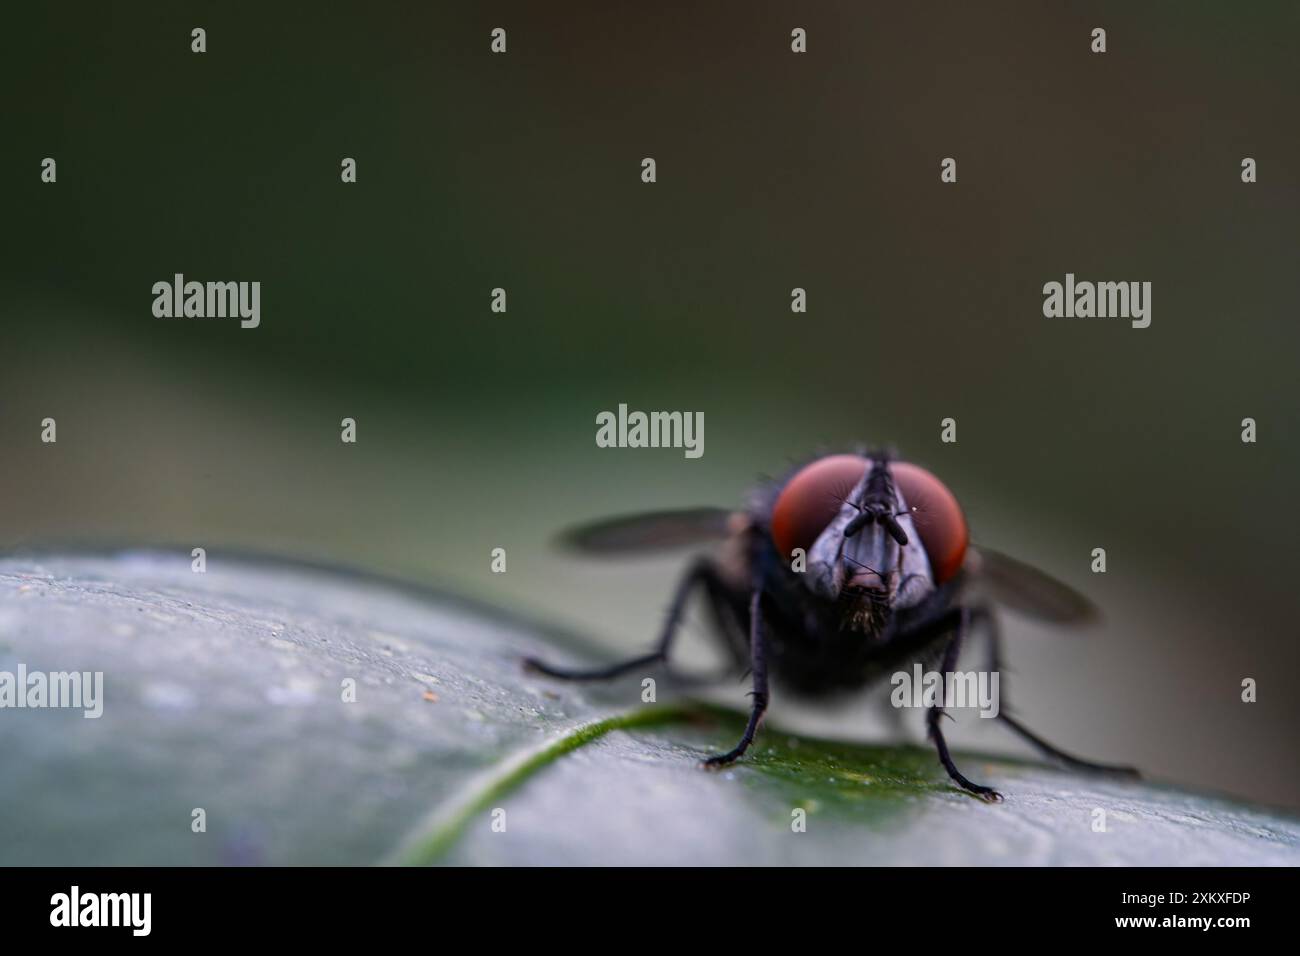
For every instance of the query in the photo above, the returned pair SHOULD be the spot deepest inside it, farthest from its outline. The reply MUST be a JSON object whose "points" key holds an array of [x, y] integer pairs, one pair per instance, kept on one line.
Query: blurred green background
{"points": [[476, 430]]}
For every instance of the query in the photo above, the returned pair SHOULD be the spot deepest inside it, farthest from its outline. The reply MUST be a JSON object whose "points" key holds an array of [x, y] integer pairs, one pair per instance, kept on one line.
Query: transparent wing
{"points": [[649, 531], [1026, 589]]}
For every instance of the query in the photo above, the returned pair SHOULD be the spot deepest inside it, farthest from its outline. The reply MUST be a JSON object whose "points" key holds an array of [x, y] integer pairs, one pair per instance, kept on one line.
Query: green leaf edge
{"points": [[435, 838]]}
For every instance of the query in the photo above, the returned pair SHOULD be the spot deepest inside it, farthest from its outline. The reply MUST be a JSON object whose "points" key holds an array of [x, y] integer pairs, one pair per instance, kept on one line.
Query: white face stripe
{"points": [[834, 559], [917, 579]]}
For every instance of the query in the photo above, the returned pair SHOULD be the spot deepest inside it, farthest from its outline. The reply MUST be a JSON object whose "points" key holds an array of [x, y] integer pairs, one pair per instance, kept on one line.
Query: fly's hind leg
{"points": [[951, 652], [702, 571], [1048, 750], [1060, 755]]}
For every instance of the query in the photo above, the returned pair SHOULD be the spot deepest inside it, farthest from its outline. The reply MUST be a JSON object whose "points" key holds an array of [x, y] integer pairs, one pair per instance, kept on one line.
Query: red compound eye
{"points": [[937, 517], [812, 498]]}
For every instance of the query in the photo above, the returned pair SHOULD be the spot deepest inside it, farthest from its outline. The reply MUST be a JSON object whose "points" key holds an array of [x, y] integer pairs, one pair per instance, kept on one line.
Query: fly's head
{"points": [[870, 559], [880, 535]]}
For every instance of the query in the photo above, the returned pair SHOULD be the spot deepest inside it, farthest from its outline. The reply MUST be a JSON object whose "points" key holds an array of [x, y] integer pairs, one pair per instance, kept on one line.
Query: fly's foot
{"points": [[987, 794], [1110, 770], [536, 665], [723, 760]]}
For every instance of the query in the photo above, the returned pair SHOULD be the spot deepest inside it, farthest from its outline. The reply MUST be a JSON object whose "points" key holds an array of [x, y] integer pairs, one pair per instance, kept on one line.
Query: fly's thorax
{"points": [[737, 559]]}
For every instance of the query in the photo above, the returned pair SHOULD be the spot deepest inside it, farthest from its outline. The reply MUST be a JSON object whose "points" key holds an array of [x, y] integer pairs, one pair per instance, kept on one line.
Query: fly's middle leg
{"points": [[701, 572]]}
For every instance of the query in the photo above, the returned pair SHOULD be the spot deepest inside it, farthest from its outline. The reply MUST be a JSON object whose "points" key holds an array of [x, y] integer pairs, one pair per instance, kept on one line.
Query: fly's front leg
{"points": [[934, 714], [701, 571], [758, 661]]}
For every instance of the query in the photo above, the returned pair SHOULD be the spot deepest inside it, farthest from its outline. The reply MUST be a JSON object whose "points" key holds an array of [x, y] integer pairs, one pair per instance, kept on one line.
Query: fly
{"points": [[851, 567]]}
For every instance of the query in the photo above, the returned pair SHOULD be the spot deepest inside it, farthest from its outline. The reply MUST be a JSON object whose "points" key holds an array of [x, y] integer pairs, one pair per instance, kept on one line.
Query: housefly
{"points": [[853, 566]]}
